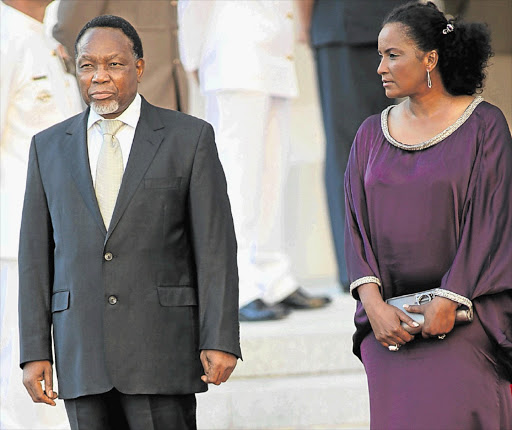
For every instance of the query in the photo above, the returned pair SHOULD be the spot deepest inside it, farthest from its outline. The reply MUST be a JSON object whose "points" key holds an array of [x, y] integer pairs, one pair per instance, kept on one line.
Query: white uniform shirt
{"points": [[130, 118], [242, 44], [35, 93]]}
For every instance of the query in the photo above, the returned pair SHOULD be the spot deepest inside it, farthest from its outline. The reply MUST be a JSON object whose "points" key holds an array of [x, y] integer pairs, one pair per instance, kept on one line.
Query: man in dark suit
{"points": [[343, 34], [135, 272]]}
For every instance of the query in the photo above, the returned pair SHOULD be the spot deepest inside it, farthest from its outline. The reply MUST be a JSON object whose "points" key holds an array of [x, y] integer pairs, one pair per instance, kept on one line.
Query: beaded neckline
{"points": [[434, 140]]}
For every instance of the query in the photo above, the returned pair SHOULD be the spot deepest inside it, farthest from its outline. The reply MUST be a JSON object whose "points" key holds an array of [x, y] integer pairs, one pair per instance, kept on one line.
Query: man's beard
{"points": [[104, 108]]}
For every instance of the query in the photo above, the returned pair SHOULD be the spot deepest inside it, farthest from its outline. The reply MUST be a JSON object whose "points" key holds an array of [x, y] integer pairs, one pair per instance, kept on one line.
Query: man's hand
{"points": [[439, 316], [67, 61], [218, 366], [33, 373], [305, 9]]}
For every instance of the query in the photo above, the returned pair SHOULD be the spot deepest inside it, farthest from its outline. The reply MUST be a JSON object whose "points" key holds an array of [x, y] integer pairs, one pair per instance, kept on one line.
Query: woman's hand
{"points": [[385, 319], [439, 316]]}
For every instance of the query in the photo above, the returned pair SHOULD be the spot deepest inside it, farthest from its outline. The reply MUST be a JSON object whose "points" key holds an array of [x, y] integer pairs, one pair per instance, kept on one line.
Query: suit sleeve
{"points": [[215, 249], [35, 269], [71, 17]]}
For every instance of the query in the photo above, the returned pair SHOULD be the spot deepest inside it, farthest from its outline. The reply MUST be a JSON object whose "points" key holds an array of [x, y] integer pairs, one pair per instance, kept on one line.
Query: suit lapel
{"points": [[75, 150], [147, 140]]}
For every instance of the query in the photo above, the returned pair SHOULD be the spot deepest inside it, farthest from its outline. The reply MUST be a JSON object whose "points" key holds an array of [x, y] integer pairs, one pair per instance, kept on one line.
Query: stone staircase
{"points": [[298, 373]]}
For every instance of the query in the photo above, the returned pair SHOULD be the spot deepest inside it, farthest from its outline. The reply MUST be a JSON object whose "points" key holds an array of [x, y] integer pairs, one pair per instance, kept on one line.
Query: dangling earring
{"points": [[429, 81]]}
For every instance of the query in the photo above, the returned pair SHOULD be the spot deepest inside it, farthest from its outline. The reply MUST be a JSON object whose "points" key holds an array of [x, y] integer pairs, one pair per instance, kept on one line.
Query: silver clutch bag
{"points": [[463, 315]]}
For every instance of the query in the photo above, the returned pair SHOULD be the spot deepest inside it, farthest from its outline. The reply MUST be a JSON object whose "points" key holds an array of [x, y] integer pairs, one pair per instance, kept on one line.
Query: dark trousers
{"points": [[350, 91], [118, 411]]}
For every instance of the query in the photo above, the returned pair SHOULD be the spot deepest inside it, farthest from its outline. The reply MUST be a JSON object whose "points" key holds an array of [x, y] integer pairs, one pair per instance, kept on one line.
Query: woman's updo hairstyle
{"points": [[464, 48]]}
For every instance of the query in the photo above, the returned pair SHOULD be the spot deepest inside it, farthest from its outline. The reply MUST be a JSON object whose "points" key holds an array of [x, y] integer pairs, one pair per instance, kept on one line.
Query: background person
{"points": [[428, 189], [156, 22], [35, 93], [127, 252], [343, 34], [242, 52]]}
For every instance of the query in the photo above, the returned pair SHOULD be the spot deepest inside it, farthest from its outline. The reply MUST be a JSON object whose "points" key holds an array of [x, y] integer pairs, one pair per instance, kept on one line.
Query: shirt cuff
{"points": [[361, 281]]}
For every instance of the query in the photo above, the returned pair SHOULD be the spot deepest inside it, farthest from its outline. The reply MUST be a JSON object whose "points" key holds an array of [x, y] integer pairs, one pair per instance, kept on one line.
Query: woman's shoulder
{"points": [[490, 115], [490, 125], [373, 122], [371, 126], [368, 137]]}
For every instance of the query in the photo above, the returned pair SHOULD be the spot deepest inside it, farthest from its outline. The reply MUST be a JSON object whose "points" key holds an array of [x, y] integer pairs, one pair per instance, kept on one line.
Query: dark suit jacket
{"points": [[169, 259], [351, 22], [156, 21]]}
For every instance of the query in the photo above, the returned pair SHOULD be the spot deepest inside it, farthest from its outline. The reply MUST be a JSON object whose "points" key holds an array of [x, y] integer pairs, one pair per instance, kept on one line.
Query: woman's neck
{"points": [[429, 103]]}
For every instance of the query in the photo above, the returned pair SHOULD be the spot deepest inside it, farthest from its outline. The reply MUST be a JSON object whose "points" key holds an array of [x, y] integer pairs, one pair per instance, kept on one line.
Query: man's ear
{"points": [[140, 65]]}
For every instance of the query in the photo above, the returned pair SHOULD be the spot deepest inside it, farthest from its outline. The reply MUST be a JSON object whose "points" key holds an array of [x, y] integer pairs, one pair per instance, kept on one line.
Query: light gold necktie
{"points": [[110, 168]]}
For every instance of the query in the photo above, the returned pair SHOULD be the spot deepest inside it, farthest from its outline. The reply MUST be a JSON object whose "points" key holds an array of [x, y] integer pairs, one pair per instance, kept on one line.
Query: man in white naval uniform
{"points": [[35, 93], [242, 53]]}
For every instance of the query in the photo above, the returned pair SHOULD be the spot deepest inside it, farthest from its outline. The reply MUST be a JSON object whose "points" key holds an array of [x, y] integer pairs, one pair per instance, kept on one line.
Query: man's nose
{"points": [[100, 75]]}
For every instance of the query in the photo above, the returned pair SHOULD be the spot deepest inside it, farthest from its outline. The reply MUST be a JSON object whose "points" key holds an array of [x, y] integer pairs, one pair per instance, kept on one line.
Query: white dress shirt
{"points": [[35, 93], [130, 118]]}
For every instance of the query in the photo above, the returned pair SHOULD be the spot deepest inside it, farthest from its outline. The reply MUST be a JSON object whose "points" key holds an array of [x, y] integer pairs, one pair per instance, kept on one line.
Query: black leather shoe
{"points": [[257, 310], [299, 299]]}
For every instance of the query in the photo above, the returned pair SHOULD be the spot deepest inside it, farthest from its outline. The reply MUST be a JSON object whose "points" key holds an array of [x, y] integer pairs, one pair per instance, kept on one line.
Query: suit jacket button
{"points": [[108, 256], [112, 300]]}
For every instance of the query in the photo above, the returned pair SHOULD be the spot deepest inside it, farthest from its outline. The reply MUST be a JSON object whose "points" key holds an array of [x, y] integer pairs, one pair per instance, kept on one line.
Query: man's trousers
{"points": [[118, 411]]}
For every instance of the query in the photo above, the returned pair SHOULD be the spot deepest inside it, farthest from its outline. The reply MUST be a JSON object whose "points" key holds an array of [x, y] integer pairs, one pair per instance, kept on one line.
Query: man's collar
{"points": [[130, 116]]}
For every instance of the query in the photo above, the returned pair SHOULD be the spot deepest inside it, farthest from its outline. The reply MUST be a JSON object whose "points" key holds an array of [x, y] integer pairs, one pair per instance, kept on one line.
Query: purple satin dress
{"points": [[436, 215]]}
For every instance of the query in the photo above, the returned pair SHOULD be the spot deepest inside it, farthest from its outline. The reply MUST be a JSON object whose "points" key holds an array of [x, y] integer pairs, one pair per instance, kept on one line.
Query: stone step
{"points": [[307, 342], [297, 373], [334, 401]]}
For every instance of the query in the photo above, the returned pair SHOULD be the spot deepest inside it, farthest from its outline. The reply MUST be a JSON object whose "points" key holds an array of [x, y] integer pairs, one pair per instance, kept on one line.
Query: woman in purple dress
{"points": [[429, 206]]}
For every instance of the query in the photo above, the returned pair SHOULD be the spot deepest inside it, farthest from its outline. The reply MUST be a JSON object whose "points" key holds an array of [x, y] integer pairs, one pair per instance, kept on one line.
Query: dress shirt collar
{"points": [[130, 116]]}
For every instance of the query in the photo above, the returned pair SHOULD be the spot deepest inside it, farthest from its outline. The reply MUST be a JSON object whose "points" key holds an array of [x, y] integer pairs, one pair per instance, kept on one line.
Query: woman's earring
{"points": [[429, 81]]}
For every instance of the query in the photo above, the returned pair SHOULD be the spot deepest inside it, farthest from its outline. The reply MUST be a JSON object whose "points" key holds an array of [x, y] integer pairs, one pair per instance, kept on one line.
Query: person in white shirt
{"points": [[242, 54], [35, 93]]}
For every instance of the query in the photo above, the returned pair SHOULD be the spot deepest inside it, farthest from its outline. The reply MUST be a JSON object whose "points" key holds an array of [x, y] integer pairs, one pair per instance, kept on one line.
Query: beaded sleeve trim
{"points": [[434, 140], [440, 292], [364, 280]]}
